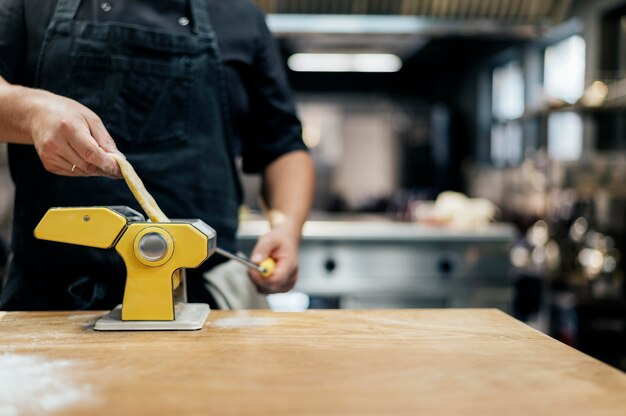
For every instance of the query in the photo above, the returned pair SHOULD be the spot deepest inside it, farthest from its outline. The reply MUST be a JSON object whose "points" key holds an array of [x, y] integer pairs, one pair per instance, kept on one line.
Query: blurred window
{"points": [[564, 69], [565, 136], [508, 91], [506, 144]]}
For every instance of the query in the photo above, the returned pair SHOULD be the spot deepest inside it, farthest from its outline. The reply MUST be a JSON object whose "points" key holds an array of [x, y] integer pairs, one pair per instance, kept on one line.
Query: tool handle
{"points": [[266, 267], [269, 265]]}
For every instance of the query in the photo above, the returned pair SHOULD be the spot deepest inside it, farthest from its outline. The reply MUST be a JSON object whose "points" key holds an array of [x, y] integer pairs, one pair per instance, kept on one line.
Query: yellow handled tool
{"points": [[266, 267]]}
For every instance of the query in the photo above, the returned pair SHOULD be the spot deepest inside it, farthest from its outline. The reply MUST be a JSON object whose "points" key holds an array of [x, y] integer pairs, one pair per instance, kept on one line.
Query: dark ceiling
{"points": [[528, 11]]}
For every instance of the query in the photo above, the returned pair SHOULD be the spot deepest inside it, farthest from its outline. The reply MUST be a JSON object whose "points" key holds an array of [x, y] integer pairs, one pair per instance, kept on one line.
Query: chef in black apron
{"points": [[148, 79]]}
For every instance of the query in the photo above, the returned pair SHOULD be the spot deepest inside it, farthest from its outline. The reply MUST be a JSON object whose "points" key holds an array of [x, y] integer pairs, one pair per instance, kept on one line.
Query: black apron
{"points": [[163, 99]]}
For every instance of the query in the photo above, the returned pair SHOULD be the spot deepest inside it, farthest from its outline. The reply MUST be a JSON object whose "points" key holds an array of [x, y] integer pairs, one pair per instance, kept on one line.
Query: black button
{"points": [[330, 265], [445, 266]]}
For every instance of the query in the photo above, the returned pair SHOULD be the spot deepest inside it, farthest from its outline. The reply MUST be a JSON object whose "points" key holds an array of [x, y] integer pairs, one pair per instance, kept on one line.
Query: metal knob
{"points": [[153, 247]]}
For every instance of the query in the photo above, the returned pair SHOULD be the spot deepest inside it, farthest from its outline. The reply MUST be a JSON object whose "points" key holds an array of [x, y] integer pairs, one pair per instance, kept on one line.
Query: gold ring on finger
{"points": [[73, 167]]}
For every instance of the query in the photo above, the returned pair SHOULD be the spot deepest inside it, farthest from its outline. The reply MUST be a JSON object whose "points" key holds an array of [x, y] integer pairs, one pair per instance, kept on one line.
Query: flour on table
{"points": [[83, 317], [239, 322], [34, 384]]}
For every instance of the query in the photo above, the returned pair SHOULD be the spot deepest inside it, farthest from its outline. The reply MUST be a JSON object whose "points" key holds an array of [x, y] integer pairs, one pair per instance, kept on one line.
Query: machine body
{"points": [[154, 253]]}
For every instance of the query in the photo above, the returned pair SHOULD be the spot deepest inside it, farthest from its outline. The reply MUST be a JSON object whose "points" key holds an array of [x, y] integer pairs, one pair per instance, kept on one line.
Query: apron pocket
{"points": [[141, 102]]}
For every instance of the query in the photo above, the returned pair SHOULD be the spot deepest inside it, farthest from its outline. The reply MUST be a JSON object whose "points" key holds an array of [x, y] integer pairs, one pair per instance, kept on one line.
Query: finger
{"points": [[88, 150], [266, 288], [283, 269], [283, 286], [100, 172], [58, 164], [64, 168], [283, 278], [106, 142], [74, 170], [69, 154], [264, 248], [262, 284], [79, 172], [101, 135], [263, 288], [289, 284]]}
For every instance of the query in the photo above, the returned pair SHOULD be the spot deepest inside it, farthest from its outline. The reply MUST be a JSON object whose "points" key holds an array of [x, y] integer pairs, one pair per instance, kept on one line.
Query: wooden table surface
{"points": [[447, 361]]}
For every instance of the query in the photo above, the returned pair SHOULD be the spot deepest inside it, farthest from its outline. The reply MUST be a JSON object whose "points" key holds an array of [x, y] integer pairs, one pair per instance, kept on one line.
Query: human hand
{"points": [[70, 139], [280, 244]]}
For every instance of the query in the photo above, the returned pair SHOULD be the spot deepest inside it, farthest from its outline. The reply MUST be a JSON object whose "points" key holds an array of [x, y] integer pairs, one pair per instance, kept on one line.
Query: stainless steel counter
{"points": [[357, 264], [386, 231]]}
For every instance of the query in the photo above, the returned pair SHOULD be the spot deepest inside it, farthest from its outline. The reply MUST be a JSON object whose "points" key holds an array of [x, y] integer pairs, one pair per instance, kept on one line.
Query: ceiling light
{"points": [[309, 23], [290, 24], [344, 62]]}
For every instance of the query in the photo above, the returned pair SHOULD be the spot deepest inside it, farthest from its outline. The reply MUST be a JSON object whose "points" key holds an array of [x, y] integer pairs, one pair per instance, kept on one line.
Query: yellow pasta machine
{"points": [[155, 254]]}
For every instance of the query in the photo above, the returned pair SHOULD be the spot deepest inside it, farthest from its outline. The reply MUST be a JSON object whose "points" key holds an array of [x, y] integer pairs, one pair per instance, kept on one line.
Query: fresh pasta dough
{"points": [[141, 194]]}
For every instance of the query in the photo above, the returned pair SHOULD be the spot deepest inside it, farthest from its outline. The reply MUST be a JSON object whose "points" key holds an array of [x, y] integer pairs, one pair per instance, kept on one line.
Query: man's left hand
{"points": [[281, 244]]}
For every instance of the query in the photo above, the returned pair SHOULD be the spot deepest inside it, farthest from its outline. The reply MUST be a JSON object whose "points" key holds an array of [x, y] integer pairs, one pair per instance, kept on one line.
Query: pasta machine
{"points": [[155, 255]]}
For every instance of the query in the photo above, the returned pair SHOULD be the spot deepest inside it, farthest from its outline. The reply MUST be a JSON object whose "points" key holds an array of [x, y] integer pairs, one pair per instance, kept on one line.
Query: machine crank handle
{"points": [[266, 267]]}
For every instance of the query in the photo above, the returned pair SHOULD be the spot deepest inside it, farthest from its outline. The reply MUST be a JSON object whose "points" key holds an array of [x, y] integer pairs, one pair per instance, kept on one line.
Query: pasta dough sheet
{"points": [[141, 194]]}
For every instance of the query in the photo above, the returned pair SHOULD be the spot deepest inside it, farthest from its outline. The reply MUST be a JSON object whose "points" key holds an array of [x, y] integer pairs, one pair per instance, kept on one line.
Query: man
{"points": [[181, 88]]}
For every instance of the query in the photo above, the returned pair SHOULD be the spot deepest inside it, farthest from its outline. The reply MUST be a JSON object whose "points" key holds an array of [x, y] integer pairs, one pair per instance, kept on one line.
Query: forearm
{"points": [[288, 190], [16, 105], [288, 193]]}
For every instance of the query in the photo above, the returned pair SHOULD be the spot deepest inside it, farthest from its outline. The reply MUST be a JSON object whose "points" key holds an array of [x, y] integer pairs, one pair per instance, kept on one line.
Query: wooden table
{"points": [[456, 362]]}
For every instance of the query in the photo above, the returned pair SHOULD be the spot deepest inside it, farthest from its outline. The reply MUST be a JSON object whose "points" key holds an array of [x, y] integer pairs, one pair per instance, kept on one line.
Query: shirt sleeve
{"points": [[12, 38], [274, 128]]}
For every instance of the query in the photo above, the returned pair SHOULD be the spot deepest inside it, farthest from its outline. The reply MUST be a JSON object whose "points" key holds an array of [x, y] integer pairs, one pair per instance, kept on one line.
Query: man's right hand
{"points": [[70, 139]]}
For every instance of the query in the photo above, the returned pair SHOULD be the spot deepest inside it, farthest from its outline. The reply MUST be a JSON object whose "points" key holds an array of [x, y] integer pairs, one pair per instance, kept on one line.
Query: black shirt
{"points": [[261, 105]]}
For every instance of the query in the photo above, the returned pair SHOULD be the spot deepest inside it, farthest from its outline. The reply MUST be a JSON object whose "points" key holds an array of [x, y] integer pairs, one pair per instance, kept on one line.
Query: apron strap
{"points": [[200, 17], [66, 9]]}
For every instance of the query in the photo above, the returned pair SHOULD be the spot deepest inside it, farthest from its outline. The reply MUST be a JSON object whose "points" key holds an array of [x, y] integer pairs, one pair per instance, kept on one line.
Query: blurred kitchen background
{"points": [[469, 153]]}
